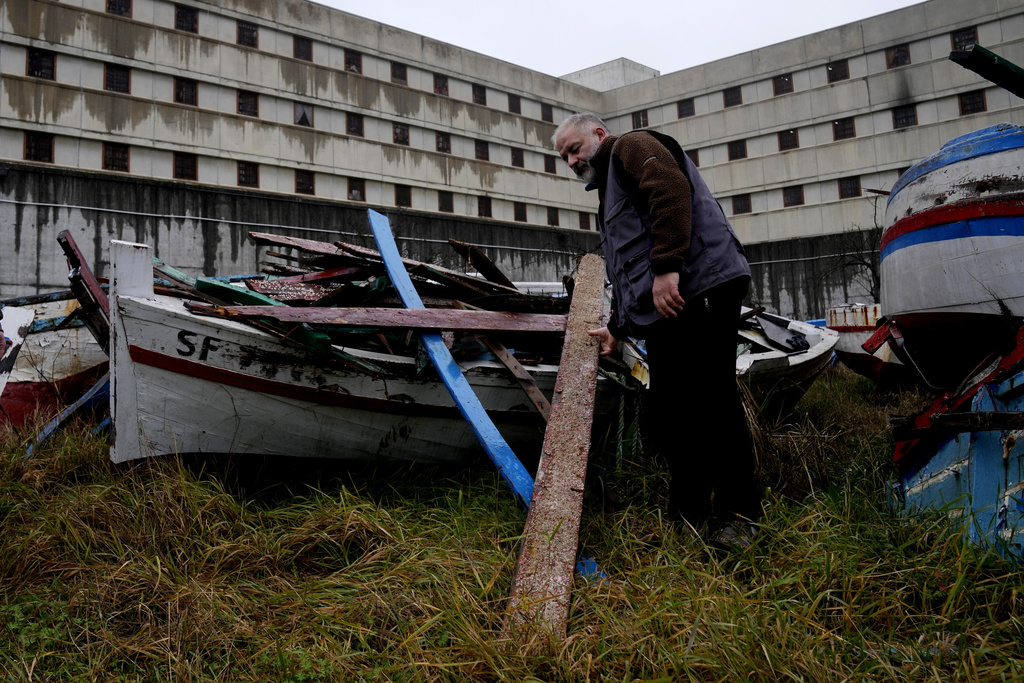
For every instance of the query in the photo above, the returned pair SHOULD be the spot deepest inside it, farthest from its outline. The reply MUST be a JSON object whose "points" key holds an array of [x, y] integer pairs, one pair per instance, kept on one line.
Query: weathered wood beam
{"points": [[484, 265], [313, 246], [539, 603], [416, 318]]}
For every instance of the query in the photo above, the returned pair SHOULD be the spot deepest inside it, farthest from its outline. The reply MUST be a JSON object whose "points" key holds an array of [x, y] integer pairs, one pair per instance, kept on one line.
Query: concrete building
{"points": [[236, 103]]}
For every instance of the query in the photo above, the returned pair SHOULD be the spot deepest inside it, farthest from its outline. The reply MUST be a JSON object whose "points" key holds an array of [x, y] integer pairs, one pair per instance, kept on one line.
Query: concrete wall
{"points": [[204, 231]]}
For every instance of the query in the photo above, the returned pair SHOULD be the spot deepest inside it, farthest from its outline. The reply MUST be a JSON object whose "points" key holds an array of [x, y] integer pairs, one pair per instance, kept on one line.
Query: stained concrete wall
{"points": [[204, 231]]}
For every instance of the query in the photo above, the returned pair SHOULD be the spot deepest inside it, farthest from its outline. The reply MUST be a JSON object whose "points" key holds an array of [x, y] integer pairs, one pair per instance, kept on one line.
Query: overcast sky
{"points": [[558, 38]]}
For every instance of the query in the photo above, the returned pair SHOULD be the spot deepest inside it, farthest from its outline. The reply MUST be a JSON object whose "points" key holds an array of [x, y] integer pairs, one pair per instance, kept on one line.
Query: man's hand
{"points": [[608, 342], [666, 295]]}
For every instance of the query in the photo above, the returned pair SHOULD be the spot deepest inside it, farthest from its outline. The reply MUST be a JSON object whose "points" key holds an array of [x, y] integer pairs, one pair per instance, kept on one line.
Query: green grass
{"points": [[229, 571]]}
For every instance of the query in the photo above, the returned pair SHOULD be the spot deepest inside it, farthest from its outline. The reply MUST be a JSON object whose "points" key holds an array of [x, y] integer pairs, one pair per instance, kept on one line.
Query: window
{"points": [[897, 56], [248, 174], [117, 78], [186, 91], [904, 116], [519, 211], [41, 64], [248, 34], [963, 38], [403, 196], [304, 114], [400, 133], [782, 84], [357, 189], [186, 166], [843, 129], [640, 119], [972, 102], [186, 18], [547, 113], [116, 157], [514, 104], [302, 48], [445, 201], [39, 147], [399, 74], [353, 61], [838, 70], [444, 143], [518, 158], [584, 221], [737, 150], [440, 84], [121, 8], [479, 95], [305, 181], [248, 103], [694, 155], [732, 96], [553, 216], [741, 204], [354, 124], [482, 150], [788, 139], [483, 207], [684, 108], [550, 164], [849, 187], [793, 196]]}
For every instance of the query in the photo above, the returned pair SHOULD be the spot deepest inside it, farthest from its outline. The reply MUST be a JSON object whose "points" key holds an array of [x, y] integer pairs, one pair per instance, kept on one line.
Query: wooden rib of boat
{"points": [[951, 254], [183, 383], [58, 362]]}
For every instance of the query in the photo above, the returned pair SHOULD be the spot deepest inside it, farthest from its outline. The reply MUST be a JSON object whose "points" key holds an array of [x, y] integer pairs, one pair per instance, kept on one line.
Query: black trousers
{"points": [[697, 420]]}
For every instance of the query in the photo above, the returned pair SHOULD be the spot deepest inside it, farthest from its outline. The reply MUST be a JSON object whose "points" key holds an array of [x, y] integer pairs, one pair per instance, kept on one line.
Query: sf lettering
{"points": [[188, 345]]}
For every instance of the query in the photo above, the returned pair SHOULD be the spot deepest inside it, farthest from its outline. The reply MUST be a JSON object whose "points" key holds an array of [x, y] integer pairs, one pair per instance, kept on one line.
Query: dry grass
{"points": [[167, 571]]}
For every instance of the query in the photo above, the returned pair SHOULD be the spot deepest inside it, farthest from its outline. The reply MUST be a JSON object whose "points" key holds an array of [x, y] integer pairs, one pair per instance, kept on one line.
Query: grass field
{"points": [[175, 570]]}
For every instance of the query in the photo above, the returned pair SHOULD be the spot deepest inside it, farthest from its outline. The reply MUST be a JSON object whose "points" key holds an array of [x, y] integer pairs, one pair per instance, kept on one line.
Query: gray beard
{"points": [[589, 175]]}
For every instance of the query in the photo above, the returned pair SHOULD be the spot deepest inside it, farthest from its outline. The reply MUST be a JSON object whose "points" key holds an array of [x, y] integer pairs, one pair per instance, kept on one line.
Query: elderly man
{"points": [[678, 276]]}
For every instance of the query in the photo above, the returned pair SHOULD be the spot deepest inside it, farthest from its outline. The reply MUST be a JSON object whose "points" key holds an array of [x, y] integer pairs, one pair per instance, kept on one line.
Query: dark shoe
{"points": [[734, 536]]}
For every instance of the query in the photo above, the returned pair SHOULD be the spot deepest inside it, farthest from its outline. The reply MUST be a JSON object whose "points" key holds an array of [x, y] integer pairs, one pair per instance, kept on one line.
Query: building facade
{"points": [[298, 104]]}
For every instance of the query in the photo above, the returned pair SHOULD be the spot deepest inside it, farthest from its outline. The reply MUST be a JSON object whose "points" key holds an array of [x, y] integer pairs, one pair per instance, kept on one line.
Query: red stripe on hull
{"points": [[301, 393], [961, 211], [24, 401]]}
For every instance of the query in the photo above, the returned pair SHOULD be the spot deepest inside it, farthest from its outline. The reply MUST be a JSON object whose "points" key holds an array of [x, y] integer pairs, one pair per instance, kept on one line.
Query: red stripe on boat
{"points": [[961, 211], [307, 394]]}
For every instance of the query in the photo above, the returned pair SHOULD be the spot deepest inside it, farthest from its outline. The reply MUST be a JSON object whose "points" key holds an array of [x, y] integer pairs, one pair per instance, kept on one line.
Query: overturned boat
{"points": [[951, 255]]}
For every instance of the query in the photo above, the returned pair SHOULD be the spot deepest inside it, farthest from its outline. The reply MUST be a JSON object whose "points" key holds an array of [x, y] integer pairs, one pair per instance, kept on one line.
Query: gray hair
{"points": [[584, 122]]}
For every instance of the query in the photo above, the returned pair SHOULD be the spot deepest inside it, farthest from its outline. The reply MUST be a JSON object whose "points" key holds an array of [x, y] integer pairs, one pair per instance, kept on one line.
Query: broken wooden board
{"points": [[522, 375], [436, 272], [541, 588], [481, 262], [509, 467], [313, 246], [418, 318]]}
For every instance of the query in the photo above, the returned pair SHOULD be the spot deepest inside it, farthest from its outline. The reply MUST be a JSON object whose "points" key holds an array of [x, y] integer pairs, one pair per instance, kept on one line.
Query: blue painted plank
{"points": [[98, 395], [509, 467]]}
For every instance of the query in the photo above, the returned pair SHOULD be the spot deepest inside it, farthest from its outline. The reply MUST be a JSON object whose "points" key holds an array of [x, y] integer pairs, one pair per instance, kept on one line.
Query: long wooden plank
{"points": [[418, 318], [312, 246], [539, 603], [509, 467]]}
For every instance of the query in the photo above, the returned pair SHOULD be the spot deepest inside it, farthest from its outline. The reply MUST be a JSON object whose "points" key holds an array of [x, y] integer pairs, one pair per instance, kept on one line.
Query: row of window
{"points": [[247, 34], [849, 188], [903, 116], [117, 78], [839, 70], [185, 166]]}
